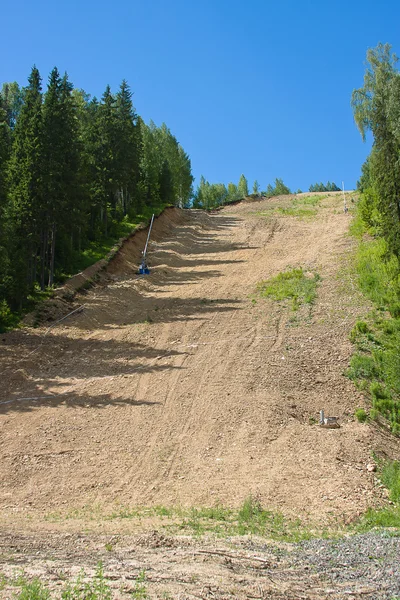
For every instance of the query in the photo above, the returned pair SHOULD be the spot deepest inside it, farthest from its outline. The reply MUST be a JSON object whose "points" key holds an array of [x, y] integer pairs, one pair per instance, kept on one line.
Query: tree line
{"points": [[212, 195], [320, 187], [72, 170], [376, 108]]}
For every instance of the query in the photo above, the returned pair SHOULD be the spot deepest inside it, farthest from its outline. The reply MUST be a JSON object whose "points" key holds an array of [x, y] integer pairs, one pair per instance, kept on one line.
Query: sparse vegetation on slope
{"points": [[296, 285], [375, 367]]}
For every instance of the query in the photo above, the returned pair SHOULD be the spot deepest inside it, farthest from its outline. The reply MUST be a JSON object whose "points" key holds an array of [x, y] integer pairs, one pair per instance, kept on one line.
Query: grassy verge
{"points": [[295, 285], [375, 365], [389, 474], [220, 521]]}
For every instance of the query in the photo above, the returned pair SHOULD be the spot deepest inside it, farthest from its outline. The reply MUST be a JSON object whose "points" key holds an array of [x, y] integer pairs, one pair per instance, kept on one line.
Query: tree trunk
{"points": [[43, 241], [52, 253]]}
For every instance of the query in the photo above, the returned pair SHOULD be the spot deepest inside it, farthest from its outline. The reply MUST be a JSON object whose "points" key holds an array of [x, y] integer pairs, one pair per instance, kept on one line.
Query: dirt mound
{"points": [[183, 388]]}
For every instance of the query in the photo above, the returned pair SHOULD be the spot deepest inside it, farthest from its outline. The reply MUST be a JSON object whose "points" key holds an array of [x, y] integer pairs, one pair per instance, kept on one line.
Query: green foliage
{"points": [[308, 200], [376, 108], [140, 591], [34, 590], [297, 212], [74, 173], [361, 415], [94, 589], [7, 318], [296, 285], [320, 187], [389, 472], [375, 368], [278, 189], [390, 477], [362, 367], [243, 188], [378, 273]]}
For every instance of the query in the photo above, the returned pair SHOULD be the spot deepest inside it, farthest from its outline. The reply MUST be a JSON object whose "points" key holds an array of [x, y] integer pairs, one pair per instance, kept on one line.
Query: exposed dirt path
{"points": [[181, 389], [162, 567]]}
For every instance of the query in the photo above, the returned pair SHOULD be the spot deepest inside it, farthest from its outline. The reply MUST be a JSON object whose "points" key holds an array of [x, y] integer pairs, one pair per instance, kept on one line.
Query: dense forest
{"points": [[75, 171]]}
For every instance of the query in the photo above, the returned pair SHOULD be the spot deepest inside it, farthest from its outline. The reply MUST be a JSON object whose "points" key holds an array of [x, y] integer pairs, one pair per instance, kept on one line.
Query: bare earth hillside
{"points": [[185, 388]]}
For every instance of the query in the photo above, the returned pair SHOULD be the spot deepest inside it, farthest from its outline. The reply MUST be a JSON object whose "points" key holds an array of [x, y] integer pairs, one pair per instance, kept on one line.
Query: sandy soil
{"points": [[183, 388]]}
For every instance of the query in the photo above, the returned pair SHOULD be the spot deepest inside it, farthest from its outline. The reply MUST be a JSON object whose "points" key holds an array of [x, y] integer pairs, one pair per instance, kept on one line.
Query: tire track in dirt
{"points": [[168, 389]]}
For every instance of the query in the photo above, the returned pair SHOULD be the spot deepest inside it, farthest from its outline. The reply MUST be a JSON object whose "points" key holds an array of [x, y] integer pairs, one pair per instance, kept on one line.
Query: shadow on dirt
{"points": [[39, 399], [32, 362]]}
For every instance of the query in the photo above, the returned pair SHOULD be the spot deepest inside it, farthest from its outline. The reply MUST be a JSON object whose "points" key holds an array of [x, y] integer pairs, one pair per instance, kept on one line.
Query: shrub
{"points": [[362, 367], [361, 415], [378, 391], [374, 414], [34, 590], [390, 477], [6, 316]]}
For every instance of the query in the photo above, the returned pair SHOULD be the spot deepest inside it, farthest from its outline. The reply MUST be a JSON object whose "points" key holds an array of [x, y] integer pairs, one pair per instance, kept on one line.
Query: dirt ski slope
{"points": [[184, 387]]}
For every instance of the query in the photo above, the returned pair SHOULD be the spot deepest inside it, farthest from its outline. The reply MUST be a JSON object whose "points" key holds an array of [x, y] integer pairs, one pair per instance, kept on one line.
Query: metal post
{"points": [[344, 199], [144, 269], [148, 237]]}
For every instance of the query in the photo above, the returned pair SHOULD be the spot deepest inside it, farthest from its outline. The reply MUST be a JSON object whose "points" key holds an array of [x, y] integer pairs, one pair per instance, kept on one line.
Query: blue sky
{"points": [[255, 87]]}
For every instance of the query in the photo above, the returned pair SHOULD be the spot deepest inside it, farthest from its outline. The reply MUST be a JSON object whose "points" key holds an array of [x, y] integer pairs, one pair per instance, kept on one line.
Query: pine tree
{"points": [[280, 188], [127, 147], [256, 187], [26, 190], [5, 141], [243, 188], [166, 184], [233, 193], [61, 167], [185, 178]]}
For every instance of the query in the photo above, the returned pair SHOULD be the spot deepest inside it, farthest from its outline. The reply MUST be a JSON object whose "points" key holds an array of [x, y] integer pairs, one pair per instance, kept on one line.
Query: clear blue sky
{"points": [[254, 86]]}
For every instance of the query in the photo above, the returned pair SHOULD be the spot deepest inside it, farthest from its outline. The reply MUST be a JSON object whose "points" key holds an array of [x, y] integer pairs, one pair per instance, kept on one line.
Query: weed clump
{"points": [[294, 285], [361, 415]]}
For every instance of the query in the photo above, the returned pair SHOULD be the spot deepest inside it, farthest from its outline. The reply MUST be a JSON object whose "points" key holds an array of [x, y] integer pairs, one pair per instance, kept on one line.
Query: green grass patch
{"points": [[250, 518], [389, 474], [33, 590], [308, 200], [295, 285], [383, 518], [375, 366], [298, 212], [81, 588]]}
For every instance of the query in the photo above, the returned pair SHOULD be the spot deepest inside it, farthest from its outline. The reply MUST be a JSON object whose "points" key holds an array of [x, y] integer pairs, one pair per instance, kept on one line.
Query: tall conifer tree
{"points": [[26, 189]]}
